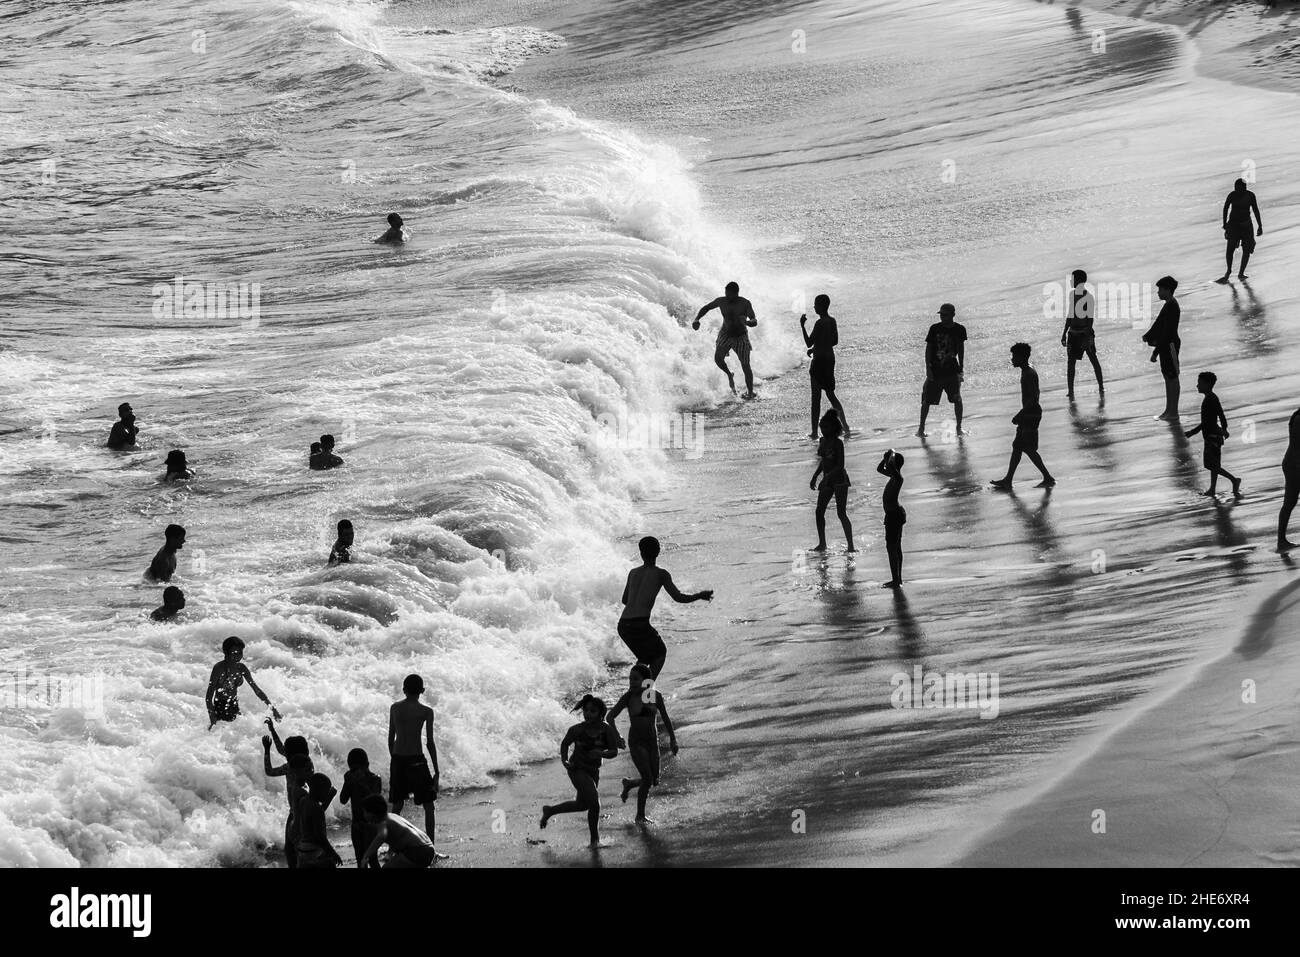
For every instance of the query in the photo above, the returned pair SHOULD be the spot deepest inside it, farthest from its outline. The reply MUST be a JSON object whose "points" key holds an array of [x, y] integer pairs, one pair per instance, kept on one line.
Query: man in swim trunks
{"points": [[1078, 336], [1026, 421], [945, 365], [1237, 227], [124, 431], [409, 770], [737, 317], [1165, 344], [639, 595], [408, 846]]}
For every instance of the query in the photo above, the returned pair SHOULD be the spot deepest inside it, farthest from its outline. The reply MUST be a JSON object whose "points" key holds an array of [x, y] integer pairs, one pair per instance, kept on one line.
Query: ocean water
{"points": [[578, 178]]}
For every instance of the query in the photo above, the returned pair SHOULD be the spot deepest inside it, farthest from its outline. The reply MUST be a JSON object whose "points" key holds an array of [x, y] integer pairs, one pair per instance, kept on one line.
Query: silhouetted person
{"points": [[945, 365], [228, 674], [1214, 432], [360, 783], [315, 458], [409, 771], [296, 769], [396, 232], [408, 846], [163, 566], [173, 601], [591, 741], [891, 466], [177, 468], [1291, 472], [327, 459], [1026, 421], [644, 706], [1078, 336], [737, 317], [1238, 228], [835, 480], [821, 343], [314, 848], [1165, 344], [341, 553], [639, 594], [122, 434]]}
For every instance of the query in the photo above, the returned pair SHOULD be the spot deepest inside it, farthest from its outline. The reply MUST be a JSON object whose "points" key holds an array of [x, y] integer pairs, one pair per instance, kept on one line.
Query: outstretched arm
{"points": [[275, 737], [678, 596], [703, 309], [248, 676]]}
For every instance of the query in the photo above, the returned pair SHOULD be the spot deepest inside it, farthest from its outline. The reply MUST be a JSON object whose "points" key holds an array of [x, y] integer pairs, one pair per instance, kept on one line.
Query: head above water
{"points": [[124, 411], [232, 645], [327, 442], [822, 304], [345, 532], [315, 448], [175, 535], [1020, 353], [176, 460], [412, 685], [649, 547], [732, 290], [592, 708], [358, 759], [394, 220], [173, 597]]}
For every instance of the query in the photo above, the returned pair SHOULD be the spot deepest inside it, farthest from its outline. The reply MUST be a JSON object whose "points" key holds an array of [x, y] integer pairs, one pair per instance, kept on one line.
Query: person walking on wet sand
{"points": [[891, 466], [1026, 421], [835, 481], [1238, 230], [1078, 337], [639, 594], [592, 741], [821, 343], [945, 365], [737, 317], [644, 705], [1165, 344], [1290, 472], [1214, 431]]}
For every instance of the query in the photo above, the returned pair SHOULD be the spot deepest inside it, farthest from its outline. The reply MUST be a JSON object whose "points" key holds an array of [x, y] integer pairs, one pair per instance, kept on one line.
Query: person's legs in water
{"points": [[1069, 377], [824, 493], [1048, 481], [1096, 368], [842, 510], [925, 408], [1011, 469], [588, 800], [1289, 499], [1245, 258], [749, 373], [894, 546], [428, 819], [641, 758], [816, 406], [720, 360], [956, 410], [1169, 368]]}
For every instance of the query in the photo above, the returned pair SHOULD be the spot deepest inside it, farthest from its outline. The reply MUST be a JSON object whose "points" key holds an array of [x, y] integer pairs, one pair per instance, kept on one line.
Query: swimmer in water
{"points": [[173, 602], [315, 459], [177, 469], [124, 431], [396, 232], [408, 846], [163, 566], [228, 674], [644, 704], [639, 596], [591, 741], [331, 460], [835, 480], [295, 771], [314, 848], [341, 553], [821, 343], [895, 515], [737, 319]]}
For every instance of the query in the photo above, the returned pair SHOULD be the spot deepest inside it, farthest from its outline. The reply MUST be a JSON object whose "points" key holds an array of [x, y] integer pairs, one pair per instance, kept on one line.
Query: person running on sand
{"points": [[639, 594], [1237, 227], [1290, 472], [835, 480], [1026, 421], [737, 317], [945, 365], [644, 704], [1078, 337], [821, 343], [1165, 344], [1214, 431], [592, 741], [891, 465]]}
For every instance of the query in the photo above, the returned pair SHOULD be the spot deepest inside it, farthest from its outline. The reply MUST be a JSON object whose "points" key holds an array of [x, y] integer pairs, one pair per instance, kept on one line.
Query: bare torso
{"points": [[408, 718]]}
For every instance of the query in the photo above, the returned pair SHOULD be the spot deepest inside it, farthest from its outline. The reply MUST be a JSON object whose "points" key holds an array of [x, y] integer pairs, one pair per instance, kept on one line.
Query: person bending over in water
{"points": [[1078, 336], [177, 469], [408, 846], [360, 783], [295, 771], [835, 480], [1026, 421], [1214, 431], [737, 317], [341, 553], [1237, 227], [1165, 344], [163, 566], [223, 687], [396, 232], [639, 596], [314, 848], [591, 741], [821, 343], [644, 704], [895, 515], [409, 772], [124, 431], [945, 365], [1290, 472], [173, 602]]}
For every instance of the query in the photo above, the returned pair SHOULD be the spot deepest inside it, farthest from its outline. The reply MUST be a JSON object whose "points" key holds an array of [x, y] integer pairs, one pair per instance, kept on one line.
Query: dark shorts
{"points": [[1080, 344], [1026, 439], [822, 373], [1242, 234], [936, 388], [224, 709], [409, 774], [737, 344], [642, 639], [1168, 360], [1212, 457]]}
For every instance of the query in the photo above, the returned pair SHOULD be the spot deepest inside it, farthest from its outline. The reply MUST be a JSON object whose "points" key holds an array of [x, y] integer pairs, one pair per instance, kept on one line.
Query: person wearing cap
{"points": [[409, 772], [124, 431], [945, 365], [395, 233]]}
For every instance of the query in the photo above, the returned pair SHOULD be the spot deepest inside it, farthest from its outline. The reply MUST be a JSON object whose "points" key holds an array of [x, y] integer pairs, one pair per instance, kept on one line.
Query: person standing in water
{"points": [[644, 704], [122, 434], [1026, 421], [396, 233], [228, 674], [1165, 344], [835, 480], [945, 365], [177, 468], [592, 741], [1078, 337], [409, 772], [1237, 227], [1290, 472], [891, 466], [173, 602], [341, 553], [296, 769], [639, 596], [1214, 431], [821, 343], [163, 566], [737, 318]]}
